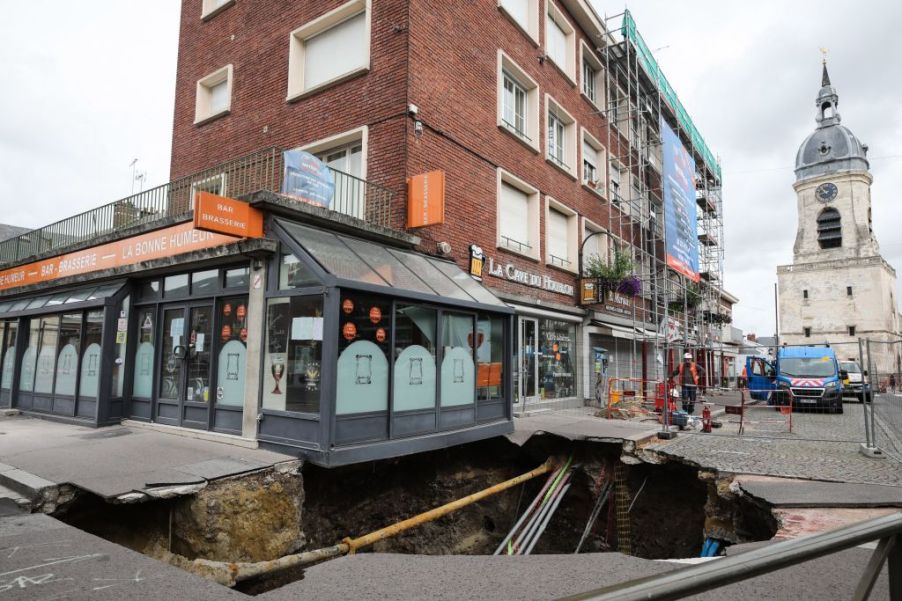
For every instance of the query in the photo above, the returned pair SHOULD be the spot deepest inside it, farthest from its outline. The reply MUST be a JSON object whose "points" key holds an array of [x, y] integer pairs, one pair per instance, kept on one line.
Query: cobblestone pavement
{"points": [[888, 427], [786, 457]]}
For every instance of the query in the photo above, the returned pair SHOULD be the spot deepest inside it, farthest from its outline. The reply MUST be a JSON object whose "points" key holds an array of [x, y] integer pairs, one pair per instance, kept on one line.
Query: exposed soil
{"points": [[665, 511]]}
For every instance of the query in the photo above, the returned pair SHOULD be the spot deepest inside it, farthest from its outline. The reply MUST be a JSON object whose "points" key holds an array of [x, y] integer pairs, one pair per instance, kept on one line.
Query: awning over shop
{"points": [[74, 298], [356, 263], [617, 331]]}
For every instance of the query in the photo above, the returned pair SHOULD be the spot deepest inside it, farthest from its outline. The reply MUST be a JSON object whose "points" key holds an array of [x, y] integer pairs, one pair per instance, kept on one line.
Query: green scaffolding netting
{"points": [[648, 62]]}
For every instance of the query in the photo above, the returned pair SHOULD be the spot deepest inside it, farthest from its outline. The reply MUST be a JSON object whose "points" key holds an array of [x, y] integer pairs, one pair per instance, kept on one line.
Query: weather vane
{"points": [[824, 52]]}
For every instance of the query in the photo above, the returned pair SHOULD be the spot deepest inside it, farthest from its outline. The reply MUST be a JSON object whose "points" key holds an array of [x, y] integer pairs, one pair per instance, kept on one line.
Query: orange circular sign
{"points": [[380, 335], [243, 334], [242, 311], [347, 305], [349, 331], [375, 315], [227, 309], [226, 332]]}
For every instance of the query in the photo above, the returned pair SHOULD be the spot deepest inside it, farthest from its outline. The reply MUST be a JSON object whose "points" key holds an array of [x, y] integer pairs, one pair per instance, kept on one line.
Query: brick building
{"points": [[347, 328], [510, 98]]}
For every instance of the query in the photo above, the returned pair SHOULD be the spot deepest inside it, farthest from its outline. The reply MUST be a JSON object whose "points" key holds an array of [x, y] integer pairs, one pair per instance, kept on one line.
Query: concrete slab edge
{"points": [[238, 441]]}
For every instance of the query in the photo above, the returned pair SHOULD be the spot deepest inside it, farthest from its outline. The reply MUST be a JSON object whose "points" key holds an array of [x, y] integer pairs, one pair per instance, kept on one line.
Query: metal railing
{"points": [[714, 574], [259, 171]]}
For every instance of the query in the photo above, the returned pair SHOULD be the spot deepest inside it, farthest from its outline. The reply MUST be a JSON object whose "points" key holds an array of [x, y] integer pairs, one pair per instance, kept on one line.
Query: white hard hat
{"points": [[687, 356]]}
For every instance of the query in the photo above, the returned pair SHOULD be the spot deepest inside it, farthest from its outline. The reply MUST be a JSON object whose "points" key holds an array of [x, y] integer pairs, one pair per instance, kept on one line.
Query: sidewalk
{"points": [[118, 462]]}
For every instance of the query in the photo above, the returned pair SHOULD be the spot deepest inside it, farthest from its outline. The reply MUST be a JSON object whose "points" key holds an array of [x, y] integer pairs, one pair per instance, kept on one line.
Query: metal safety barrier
{"points": [[721, 572]]}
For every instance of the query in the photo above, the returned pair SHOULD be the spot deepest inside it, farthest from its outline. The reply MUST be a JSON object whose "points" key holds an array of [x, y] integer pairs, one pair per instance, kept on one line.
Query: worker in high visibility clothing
{"points": [[744, 378], [689, 373]]}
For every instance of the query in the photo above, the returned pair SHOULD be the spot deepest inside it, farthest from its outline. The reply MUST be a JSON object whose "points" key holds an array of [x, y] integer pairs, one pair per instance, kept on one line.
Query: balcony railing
{"points": [[261, 170]]}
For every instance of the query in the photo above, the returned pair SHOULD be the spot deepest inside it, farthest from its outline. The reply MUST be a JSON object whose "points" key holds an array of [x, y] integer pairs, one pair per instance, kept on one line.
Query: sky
{"points": [[78, 106]]}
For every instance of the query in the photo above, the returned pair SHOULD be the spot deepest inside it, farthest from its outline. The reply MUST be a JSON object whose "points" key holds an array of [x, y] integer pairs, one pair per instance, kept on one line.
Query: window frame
{"points": [[590, 227], [506, 67], [569, 263], [556, 15], [601, 171], [587, 56], [570, 127], [343, 139], [298, 37], [204, 90], [531, 29], [505, 177], [208, 10]]}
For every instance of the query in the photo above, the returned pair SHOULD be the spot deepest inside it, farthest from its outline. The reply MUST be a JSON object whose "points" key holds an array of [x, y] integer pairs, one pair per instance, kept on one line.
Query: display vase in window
{"points": [[312, 373], [277, 369]]}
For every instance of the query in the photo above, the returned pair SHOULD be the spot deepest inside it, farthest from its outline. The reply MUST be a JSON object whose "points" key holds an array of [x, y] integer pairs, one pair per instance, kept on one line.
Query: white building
{"points": [[838, 288]]}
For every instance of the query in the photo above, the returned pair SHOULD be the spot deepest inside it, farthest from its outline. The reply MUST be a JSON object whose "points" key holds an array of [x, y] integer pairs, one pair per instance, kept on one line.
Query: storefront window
{"points": [[43, 381], [294, 274], [175, 286], [119, 348], [67, 360], [364, 336], [294, 346], [149, 289], [557, 365], [142, 385], [490, 357], [29, 358], [458, 367], [204, 283], [414, 379], [9, 356], [232, 359], [199, 355], [240, 277], [90, 356]]}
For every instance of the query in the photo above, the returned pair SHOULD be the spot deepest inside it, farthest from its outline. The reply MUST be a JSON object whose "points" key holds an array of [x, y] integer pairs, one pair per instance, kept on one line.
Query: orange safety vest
{"points": [[692, 370], [745, 372]]}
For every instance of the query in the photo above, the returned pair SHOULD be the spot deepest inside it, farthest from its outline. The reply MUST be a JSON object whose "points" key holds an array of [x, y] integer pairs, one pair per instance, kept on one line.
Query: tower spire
{"points": [[825, 78]]}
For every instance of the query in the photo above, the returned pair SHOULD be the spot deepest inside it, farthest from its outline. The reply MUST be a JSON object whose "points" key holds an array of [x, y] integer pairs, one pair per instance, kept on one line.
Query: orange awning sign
{"points": [[426, 199], [167, 242]]}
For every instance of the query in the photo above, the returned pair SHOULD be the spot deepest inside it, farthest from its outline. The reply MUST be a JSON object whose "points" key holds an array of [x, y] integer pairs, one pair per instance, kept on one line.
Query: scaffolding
{"points": [[673, 313]]}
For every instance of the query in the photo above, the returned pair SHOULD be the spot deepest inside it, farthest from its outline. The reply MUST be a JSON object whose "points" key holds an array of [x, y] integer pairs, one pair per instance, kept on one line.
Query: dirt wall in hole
{"points": [[253, 517]]}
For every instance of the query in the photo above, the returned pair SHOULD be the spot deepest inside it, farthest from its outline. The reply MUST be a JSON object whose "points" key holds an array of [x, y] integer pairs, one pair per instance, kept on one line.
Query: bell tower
{"points": [[838, 288]]}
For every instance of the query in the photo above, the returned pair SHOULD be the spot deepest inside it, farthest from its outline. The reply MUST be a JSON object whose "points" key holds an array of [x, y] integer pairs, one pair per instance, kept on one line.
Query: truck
{"points": [[854, 383], [798, 376]]}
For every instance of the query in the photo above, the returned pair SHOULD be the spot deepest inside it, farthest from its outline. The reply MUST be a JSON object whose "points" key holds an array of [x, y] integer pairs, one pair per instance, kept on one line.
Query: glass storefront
{"points": [[546, 360], [7, 360], [364, 338], [294, 353]]}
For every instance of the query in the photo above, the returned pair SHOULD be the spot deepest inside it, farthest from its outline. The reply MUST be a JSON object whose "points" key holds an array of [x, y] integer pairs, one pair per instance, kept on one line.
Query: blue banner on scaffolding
{"points": [[680, 217]]}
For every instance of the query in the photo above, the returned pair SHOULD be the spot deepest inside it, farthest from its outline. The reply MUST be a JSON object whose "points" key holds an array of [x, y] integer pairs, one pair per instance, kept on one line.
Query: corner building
{"points": [[470, 154]]}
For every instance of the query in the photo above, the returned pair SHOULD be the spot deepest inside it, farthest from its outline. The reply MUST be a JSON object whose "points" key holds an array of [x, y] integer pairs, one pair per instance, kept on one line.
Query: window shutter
{"points": [[558, 234], [514, 218], [336, 51]]}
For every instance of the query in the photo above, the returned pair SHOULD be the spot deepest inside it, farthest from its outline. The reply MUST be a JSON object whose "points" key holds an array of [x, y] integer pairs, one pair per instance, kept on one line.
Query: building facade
{"points": [[377, 233], [839, 288], [544, 118]]}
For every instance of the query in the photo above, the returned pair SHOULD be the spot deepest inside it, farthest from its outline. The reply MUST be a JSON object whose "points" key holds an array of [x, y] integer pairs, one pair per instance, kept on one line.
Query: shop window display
{"points": [[142, 385], [294, 345], [46, 366], [414, 379], [29, 358], [90, 356], [365, 324], [557, 363], [9, 356], [490, 358], [232, 360], [458, 368], [67, 360]]}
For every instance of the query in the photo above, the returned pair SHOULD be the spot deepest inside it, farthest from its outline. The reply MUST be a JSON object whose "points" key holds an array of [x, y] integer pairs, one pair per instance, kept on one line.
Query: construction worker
{"points": [[690, 374], [744, 378]]}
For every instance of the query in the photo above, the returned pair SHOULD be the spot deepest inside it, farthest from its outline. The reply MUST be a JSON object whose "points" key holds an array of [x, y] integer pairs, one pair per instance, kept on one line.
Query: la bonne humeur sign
{"points": [[509, 271]]}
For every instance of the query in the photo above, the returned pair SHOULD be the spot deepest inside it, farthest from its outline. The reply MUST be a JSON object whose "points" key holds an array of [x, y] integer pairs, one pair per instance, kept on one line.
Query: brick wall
{"points": [[440, 55]]}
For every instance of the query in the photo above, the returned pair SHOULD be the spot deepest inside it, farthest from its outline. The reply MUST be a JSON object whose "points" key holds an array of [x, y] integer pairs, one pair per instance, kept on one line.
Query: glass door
{"points": [[183, 395], [528, 366]]}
